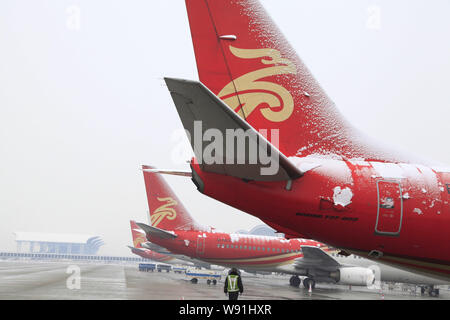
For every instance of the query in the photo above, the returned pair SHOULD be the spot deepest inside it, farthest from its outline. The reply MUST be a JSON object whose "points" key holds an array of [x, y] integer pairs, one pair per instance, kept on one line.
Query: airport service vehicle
{"points": [[162, 267], [331, 183], [174, 229], [210, 276], [153, 266], [147, 267], [179, 269]]}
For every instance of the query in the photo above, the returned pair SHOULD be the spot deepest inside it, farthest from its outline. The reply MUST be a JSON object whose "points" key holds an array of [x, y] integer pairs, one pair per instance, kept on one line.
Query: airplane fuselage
{"points": [[247, 252], [398, 213]]}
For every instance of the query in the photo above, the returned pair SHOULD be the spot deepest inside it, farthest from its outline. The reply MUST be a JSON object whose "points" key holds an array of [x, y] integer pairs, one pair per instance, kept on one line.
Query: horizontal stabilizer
{"points": [[236, 148], [156, 232], [136, 249], [156, 248], [170, 172]]}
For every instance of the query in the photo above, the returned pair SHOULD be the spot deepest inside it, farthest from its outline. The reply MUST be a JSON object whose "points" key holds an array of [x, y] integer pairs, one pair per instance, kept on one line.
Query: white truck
{"points": [[211, 276]]}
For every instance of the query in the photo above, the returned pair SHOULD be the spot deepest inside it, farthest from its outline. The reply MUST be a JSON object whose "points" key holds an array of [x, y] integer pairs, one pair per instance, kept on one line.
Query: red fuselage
{"points": [[235, 250], [397, 211]]}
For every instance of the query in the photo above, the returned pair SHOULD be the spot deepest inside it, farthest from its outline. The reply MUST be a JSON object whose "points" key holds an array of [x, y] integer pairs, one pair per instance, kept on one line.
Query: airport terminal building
{"points": [[33, 242]]}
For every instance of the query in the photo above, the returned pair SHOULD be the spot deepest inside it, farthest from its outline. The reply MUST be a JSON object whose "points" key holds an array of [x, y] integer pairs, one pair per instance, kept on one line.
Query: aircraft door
{"points": [[200, 245], [389, 209]]}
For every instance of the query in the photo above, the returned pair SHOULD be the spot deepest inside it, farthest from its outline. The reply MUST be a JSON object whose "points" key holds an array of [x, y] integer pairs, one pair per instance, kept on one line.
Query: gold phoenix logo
{"points": [[164, 211], [253, 92], [138, 239]]}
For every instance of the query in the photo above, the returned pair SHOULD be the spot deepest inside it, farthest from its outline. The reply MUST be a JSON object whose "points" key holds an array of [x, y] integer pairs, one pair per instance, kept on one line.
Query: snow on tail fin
{"points": [[137, 234], [166, 210], [243, 58]]}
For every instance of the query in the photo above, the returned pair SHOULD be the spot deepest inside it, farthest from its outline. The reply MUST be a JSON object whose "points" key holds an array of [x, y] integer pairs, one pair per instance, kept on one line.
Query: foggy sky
{"points": [[83, 103]]}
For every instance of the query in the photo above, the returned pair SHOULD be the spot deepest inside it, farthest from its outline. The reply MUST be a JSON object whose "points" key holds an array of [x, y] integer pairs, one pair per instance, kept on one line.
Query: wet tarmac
{"points": [[55, 280]]}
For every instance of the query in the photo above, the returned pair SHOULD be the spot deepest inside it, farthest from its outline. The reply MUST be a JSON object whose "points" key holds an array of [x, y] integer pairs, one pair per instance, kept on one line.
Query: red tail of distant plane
{"points": [[166, 210], [243, 58], [137, 234]]}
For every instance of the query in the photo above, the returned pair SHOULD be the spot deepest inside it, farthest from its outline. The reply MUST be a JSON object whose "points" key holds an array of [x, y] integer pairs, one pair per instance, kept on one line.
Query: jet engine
{"points": [[356, 276]]}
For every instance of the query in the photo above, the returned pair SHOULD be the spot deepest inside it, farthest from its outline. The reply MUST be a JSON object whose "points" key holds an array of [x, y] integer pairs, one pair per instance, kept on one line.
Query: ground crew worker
{"points": [[233, 284]]}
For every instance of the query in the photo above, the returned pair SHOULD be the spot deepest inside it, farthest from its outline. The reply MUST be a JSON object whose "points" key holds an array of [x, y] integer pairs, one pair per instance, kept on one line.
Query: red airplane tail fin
{"points": [[243, 58], [166, 210], [137, 234]]}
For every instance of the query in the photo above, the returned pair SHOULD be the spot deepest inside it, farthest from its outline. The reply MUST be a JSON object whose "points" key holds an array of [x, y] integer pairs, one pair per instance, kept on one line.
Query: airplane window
{"points": [[231, 246], [263, 249], [240, 247], [282, 250], [273, 249], [278, 250], [223, 246], [227, 246], [259, 249]]}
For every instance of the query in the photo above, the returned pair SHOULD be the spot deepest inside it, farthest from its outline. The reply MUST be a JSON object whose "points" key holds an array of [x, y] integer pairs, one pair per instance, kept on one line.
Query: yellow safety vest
{"points": [[233, 283]]}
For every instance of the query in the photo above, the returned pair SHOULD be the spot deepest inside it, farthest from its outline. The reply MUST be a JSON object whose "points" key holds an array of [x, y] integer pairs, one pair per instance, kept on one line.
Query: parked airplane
{"points": [[174, 229], [331, 183], [315, 261]]}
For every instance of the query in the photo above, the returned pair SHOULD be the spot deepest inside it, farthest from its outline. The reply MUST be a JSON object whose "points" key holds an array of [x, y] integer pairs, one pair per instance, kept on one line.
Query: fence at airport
{"points": [[76, 257]]}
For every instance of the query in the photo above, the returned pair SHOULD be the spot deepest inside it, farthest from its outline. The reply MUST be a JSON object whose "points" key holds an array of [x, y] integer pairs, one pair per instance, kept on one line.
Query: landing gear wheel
{"points": [[208, 282], [194, 280], [295, 281], [214, 282], [309, 281]]}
